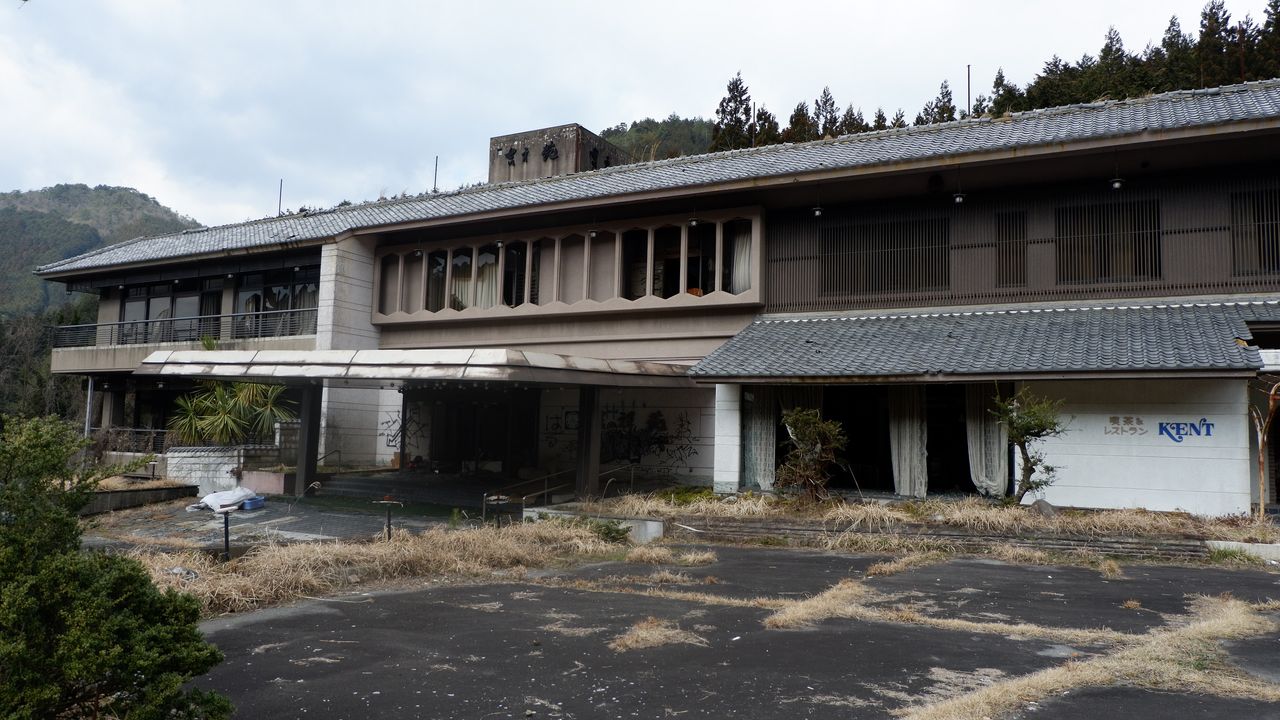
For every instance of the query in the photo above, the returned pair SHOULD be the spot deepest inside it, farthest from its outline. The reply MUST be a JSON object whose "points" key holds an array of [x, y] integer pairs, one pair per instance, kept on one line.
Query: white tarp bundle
{"points": [[224, 499]]}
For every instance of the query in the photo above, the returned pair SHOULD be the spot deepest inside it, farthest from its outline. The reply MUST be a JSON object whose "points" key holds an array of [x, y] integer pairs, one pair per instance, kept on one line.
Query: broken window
{"points": [[513, 273], [437, 273], [666, 261], [635, 263]]}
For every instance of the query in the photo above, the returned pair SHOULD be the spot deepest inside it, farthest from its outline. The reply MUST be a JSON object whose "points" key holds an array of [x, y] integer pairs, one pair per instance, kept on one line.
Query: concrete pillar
{"points": [[728, 448], [588, 441], [308, 438]]}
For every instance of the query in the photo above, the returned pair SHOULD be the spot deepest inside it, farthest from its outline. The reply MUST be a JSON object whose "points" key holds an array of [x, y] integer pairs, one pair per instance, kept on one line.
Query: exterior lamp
{"points": [[1117, 182], [817, 211], [591, 234], [958, 198], [693, 222]]}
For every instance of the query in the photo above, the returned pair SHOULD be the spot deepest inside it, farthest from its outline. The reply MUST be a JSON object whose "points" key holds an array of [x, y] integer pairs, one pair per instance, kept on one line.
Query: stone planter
{"points": [[266, 482], [108, 500]]}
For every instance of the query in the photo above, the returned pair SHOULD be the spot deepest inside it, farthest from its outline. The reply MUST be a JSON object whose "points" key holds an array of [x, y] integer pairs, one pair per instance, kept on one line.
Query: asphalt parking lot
{"points": [[539, 646]]}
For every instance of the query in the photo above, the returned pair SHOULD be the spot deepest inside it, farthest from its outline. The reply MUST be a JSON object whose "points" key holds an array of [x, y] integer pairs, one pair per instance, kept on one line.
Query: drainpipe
{"points": [[88, 408]]}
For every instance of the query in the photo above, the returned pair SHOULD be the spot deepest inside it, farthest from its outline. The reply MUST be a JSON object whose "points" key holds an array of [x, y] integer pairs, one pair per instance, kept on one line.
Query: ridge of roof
{"points": [[1018, 311], [390, 206]]}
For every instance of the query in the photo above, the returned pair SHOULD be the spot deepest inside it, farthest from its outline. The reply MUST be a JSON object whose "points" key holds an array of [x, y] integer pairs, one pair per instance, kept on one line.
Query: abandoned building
{"points": [[581, 313]]}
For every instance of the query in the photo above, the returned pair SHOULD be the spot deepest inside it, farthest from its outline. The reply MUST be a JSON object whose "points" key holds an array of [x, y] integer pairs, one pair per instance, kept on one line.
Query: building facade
{"points": [[1122, 257]]}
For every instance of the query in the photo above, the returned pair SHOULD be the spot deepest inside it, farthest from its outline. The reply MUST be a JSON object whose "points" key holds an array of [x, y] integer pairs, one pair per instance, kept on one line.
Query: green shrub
{"points": [[814, 443], [83, 634]]}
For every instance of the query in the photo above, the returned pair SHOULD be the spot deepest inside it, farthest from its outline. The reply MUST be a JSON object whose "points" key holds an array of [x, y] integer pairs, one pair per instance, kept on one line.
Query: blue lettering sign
{"points": [[1176, 431]]}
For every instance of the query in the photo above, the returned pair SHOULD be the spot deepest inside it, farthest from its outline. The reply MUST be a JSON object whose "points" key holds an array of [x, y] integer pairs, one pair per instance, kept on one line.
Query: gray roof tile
{"points": [[1168, 111], [1063, 340]]}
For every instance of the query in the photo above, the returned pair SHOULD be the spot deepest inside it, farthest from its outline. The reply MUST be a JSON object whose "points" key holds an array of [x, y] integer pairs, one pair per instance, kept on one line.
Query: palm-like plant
{"points": [[226, 413]]}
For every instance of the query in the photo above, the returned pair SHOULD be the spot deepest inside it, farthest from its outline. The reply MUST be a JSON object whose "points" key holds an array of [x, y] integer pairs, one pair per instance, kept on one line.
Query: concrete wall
{"points": [[104, 358], [354, 419], [214, 469], [689, 417], [1131, 444]]}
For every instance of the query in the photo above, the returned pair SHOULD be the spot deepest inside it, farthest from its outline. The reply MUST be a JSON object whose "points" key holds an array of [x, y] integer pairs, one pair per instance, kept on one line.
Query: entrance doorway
{"points": [[479, 430], [948, 445], [863, 412]]}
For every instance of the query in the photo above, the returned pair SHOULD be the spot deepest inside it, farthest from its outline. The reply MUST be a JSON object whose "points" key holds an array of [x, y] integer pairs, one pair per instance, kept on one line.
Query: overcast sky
{"points": [[207, 105]]}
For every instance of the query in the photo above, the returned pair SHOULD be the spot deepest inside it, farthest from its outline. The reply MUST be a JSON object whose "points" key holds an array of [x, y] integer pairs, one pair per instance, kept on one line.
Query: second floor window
{"points": [[1108, 242], [1255, 232], [886, 257]]}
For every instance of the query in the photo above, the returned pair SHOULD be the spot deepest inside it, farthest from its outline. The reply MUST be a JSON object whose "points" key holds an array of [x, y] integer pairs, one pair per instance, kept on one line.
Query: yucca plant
{"points": [[222, 413]]}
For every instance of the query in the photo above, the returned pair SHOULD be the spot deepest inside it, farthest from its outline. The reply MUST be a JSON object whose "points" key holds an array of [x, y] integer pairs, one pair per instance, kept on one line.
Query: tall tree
{"points": [[801, 127], [1005, 96], [899, 119], [940, 109], [880, 122], [852, 122], [826, 114], [1178, 66], [1269, 41], [1212, 62], [765, 130], [733, 117]]}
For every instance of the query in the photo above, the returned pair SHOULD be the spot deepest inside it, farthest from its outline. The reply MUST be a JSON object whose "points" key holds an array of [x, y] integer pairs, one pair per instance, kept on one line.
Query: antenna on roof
{"points": [[968, 90], [434, 175], [280, 198]]}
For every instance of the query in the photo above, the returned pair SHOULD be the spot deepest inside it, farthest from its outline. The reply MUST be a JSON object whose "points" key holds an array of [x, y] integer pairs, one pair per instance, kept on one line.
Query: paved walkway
{"points": [[279, 520], [525, 649]]}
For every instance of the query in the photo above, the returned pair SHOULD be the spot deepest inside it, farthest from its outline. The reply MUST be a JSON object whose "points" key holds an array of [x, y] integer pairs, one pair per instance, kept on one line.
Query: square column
{"points": [[728, 447], [308, 438], [588, 466]]}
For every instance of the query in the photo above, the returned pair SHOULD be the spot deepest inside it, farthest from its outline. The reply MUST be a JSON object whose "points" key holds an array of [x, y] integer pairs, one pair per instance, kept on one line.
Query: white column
{"points": [[728, 448]]}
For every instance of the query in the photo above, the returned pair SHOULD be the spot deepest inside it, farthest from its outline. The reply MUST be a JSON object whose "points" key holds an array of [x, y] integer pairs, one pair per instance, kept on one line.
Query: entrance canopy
{"points": [[365, 367]]}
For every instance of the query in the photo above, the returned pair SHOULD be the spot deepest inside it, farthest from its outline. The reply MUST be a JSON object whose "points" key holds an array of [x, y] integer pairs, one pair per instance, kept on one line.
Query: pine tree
{"points": [[1242, 54], [733, 117], [852, 122], [880, 122], [940, 109], [1269, 42], [826, 114], [1005, 96], [1179, 62], [765, 129], [899, 120], [801, 127], [1212, 63]]}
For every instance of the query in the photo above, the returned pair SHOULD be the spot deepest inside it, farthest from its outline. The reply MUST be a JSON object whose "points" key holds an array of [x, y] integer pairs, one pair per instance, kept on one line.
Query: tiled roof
{"points": [[1187, 109], [1064, 340]]}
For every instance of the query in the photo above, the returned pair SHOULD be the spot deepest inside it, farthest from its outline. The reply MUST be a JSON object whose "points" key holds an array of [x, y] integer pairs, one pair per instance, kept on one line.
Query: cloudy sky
{"points": [[207, 105]]}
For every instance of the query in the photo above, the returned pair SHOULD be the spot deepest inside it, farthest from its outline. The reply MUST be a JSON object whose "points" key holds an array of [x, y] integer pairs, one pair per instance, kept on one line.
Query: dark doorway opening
{"points": [[948, 445], [474, 430], [863, 411]]}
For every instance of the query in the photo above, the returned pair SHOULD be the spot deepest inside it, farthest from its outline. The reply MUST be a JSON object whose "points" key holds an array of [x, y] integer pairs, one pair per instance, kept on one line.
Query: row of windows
{"points": [[1098, 243], [699, 258]]}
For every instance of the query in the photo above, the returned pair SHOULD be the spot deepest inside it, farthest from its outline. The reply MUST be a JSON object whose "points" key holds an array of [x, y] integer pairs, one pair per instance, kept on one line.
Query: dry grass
{"points": [[1131, 604], [696, 557], [270, 574], [871, 517], [974, 514], [652, 632], [651, 555], [119, 482], [906, 562], [607, 586], [890, 543], [1184, 659], [853, 600], [666, 577]]}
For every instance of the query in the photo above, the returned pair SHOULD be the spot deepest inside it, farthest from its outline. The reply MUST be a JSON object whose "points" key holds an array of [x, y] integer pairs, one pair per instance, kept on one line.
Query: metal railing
{"points": [[507, 495], [236, 326], [135, 440]]}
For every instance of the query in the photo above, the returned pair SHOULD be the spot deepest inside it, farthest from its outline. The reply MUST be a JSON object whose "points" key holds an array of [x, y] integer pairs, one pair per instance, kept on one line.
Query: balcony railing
{"points": [[277, 323]]}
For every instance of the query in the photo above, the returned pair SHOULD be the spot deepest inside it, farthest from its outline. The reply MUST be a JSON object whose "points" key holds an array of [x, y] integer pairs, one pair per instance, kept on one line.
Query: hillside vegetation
{"points": [[43, 226]]}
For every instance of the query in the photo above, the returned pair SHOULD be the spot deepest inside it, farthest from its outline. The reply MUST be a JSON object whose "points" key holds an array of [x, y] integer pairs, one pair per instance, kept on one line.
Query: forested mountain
{"points": [[651, 139], [42, 226]]}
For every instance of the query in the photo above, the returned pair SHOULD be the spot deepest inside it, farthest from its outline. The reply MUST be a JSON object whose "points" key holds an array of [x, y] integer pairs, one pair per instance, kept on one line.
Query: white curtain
{"points": [[988, 442], [908, 440], [487, 285], [759, 436], [741, 279]]}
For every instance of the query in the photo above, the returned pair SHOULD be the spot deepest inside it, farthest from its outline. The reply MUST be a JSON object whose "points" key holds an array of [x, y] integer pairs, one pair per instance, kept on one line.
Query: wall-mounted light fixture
{"points": [[693, 222], [1117, 182], [817, 211], [958, 198]]}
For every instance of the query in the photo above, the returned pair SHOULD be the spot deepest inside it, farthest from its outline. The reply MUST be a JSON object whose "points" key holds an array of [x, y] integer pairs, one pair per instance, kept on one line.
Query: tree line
{"points": [[1224, 52]]}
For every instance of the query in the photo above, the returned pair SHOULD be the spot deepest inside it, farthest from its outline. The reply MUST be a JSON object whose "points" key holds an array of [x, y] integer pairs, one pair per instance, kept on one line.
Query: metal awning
{"points": [[399, 367]]}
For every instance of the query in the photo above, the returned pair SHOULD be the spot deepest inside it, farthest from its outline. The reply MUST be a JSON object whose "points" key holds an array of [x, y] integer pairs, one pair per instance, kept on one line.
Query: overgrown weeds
{"points": [[906, 562], [271, 574], [652, 632]]}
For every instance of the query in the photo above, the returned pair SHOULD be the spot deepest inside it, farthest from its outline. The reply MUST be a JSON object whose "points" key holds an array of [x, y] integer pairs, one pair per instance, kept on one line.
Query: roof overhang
{"points": [[411, 367], [942, 378]]}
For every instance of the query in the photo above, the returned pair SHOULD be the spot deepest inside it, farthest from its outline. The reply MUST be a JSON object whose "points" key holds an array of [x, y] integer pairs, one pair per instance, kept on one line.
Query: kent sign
{"points": [[1177, 431]]}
